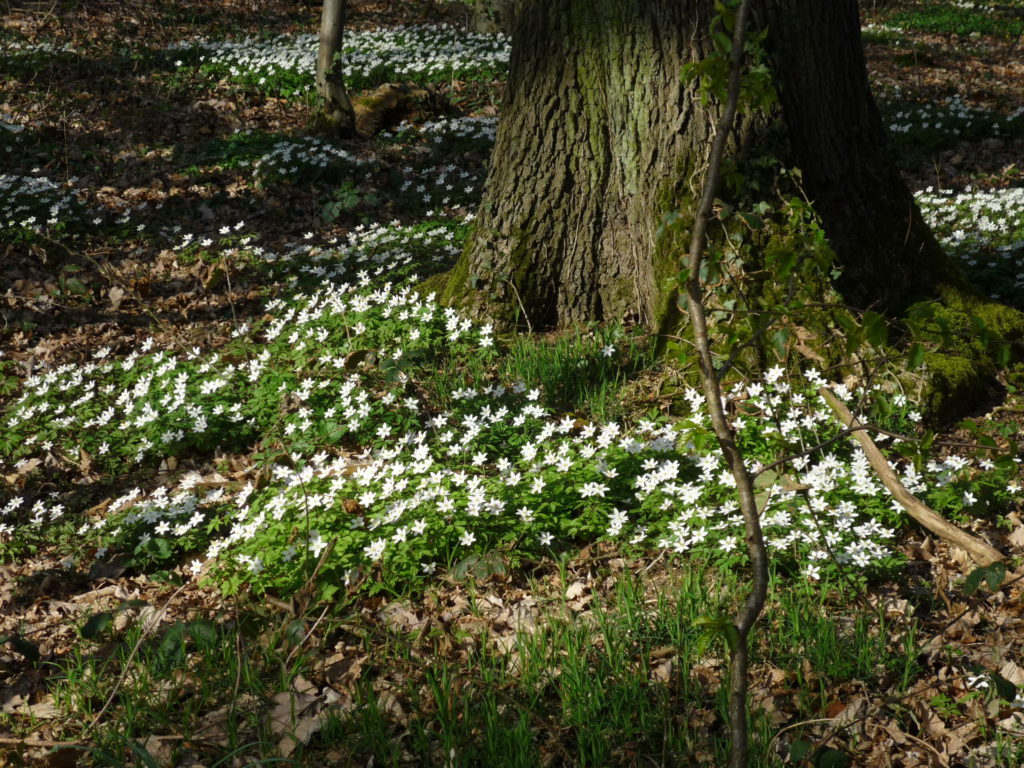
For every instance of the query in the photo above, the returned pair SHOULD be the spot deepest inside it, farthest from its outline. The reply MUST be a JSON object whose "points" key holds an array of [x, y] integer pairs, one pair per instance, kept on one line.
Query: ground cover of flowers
{"points": [[221, 373]]}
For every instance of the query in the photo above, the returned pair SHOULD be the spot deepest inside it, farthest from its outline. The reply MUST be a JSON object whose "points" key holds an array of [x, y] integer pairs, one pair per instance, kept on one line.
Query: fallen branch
{"points": [[980, 552], [44, 743]]}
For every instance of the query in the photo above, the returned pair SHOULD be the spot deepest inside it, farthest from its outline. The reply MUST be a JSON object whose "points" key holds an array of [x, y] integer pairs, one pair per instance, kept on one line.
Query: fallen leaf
{"points": [[304, 730], [116, 295], [661, 671]]}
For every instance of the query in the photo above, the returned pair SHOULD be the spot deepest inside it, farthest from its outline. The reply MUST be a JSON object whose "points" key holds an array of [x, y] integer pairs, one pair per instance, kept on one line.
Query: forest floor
{"points": [[159, 202]]}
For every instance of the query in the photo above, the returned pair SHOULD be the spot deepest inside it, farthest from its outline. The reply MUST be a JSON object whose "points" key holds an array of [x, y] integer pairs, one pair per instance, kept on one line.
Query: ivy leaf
{"points": [[752, 220]]}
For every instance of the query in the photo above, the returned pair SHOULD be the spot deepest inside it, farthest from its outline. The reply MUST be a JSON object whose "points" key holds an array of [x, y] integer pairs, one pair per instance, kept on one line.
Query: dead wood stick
{"points": [[980, 552], [37, 742]]}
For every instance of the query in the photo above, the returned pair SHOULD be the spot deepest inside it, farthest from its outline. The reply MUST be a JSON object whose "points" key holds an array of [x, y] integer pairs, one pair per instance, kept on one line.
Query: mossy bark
{"points": [[600, 140], [967, 331]]}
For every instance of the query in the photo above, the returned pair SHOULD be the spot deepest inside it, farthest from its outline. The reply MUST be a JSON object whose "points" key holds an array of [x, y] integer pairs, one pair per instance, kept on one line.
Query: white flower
{"points": [[375, 550], [593, 489]]}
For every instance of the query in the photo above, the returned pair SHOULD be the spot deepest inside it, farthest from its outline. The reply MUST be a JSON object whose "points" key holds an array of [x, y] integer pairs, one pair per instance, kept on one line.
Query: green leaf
{"points": [[916, 356], [76, 286], [479, 566], [173, 642], [97, 625], [994, 577], [1007, 691], [295, 631], [992, 574], [752, 220], [1002, 355], [785, 262], [25, 647], [973, 581], [780, 340], [723, 43], [799, 749], [732, 637], [666, 222], [876, 329], [202, 631], [927, 440]]}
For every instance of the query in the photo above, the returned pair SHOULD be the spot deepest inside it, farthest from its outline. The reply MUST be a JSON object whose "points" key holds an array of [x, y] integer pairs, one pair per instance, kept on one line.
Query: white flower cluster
{"points": [[33, 202], [953, 118], [298, 157], [24, 47], [445, 186], [439, 131], [494, 466], [423, 52], [368, 252], [984, 228]]}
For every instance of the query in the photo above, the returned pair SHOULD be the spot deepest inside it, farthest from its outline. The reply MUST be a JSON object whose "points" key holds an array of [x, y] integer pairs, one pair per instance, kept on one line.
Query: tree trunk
{"points": [[491, 16], [330, 83], [600, 139]]}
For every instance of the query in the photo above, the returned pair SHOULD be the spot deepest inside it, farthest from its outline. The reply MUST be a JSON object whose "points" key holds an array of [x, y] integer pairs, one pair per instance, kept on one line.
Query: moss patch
{"points": [[956, 385], [970, 331]]}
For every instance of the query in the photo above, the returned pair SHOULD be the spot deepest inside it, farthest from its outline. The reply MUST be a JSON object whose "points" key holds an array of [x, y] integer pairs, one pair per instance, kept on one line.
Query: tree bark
{"points": [[890, 258], [330, 83], [600, 139], [493, 16]]}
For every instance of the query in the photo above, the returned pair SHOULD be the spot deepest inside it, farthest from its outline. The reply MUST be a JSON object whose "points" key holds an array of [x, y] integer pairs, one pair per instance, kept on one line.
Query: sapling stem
{"points": [[751, 609]]}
